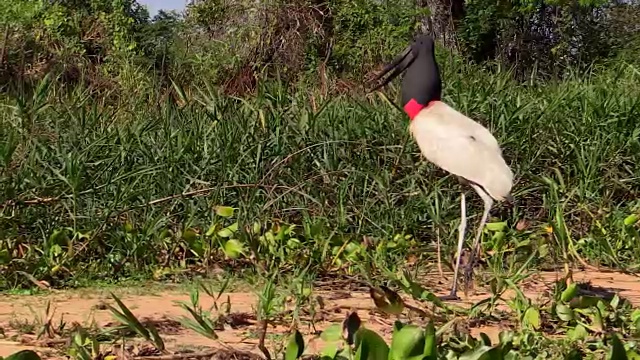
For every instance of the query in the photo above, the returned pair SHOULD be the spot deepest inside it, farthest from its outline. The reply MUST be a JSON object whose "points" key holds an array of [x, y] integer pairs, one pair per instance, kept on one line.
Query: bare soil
{"points": [[87, 308]]}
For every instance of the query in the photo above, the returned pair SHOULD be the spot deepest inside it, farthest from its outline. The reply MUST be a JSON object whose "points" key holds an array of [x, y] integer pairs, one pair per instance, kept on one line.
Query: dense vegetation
{"points": [[122, 134], [238, 135]]}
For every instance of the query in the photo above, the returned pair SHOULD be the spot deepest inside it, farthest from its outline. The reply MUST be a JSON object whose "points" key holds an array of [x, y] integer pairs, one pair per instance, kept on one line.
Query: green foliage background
{"points": [[121, 135]]}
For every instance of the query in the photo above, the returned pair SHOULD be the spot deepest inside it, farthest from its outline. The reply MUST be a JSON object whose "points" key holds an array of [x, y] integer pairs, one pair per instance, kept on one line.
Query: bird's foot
{"points": [[468, 276], [451, 297]]}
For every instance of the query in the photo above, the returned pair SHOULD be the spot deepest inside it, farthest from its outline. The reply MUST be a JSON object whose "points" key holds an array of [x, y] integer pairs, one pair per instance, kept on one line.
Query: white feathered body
{"points": [[461, 146]]}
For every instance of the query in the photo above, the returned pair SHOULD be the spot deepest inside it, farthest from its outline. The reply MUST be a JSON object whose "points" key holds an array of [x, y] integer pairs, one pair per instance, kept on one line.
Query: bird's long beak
{"points": [[398, 65]]}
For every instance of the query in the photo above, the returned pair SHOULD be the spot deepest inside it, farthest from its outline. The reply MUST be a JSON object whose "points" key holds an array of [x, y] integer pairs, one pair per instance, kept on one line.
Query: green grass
{"points": [[125, 189], [109, 175]]}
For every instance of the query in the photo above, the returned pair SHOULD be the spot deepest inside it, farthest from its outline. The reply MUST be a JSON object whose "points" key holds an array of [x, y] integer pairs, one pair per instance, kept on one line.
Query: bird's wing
{"points": [[462, 147], [464, 124]]}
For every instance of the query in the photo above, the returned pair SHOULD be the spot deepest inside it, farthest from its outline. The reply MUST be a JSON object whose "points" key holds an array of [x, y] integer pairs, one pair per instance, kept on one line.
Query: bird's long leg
{"points": [[461, 230], [475, 248]]}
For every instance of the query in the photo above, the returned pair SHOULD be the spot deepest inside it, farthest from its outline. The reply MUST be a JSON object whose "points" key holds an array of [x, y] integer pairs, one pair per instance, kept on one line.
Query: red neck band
{"points": [[412, 108]]}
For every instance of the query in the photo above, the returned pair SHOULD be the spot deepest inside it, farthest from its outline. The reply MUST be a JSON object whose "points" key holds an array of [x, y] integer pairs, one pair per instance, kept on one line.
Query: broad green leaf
{"points": [[598, 323], [577, 333], [430, 342], [476, 354], [407, 343], [505, 344], [352, 248], [574, 354], [617, 349], [603, 308], [224, 211], [256, 227], [498, 236], [295, 348], [569, 293], [514, 356], [189, 235], [485, 339], [212, 230], [55, 250], [543, 250], [370, 345], [531, 318], [362, 352], [306, 291], [564, 312], [293, 243], [233, 248], [584, 302], [329, 351], [332, 333], [59, 237], [24, 355], [631, 219], [506, 337], [197, 247], [5, 258], [128, 227], [615, 301], [225, 233], [228, 231], [632, 355], [496, 226], [344, 353]]}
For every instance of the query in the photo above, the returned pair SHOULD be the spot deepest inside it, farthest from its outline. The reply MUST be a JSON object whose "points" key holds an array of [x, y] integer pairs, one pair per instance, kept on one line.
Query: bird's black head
{"points": [[421, 83]]}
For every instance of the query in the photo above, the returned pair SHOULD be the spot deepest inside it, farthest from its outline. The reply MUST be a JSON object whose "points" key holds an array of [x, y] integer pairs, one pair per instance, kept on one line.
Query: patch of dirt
{"points": [[239, 331]]}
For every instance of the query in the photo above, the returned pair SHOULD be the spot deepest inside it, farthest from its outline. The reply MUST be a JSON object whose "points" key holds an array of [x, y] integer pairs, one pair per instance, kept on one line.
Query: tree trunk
{"points": [[441, 22]]}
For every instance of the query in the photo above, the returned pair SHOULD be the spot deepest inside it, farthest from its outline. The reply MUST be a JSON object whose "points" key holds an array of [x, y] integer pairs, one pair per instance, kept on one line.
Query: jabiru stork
{"points": [[449, 139]]}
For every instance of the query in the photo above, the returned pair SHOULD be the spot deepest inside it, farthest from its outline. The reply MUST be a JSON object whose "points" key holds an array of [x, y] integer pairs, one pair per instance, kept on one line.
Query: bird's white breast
{"points": [[462, 147]]}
